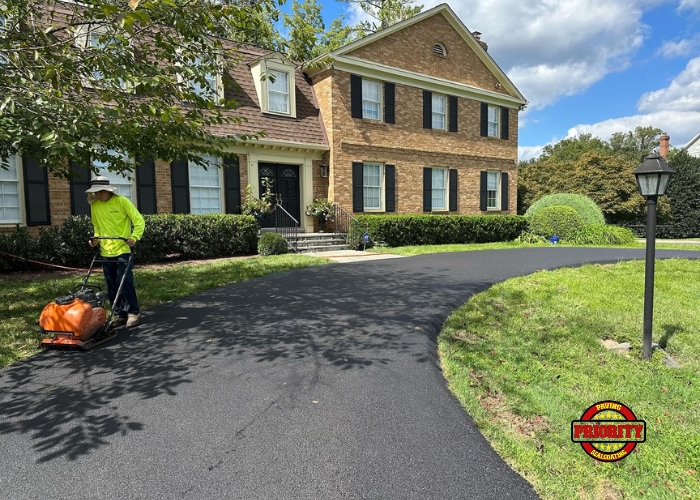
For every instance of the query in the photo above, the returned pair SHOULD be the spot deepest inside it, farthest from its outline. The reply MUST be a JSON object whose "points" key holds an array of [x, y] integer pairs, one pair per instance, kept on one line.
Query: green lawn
{"points": [[21, 301], [524, 358]]}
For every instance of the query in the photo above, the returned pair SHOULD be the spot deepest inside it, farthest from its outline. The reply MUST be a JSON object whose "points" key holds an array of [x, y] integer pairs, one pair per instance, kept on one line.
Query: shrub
{"points": [[602, 234], [404, 230], [272, 244], [586, 208], [683, 196], [561, 221]]}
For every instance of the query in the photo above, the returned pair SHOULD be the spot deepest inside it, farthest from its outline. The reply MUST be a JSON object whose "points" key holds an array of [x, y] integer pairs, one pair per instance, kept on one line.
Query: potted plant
{"points": [[257, 207], [323, 210]]}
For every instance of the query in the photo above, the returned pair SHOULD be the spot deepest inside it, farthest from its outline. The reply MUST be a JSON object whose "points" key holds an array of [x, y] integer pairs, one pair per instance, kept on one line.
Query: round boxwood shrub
{"points": [[272, 244], [560, 220], [586, 208]]}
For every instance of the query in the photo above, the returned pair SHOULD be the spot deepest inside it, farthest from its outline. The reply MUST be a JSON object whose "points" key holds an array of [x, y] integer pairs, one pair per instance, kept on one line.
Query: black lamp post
{"points": [[652, 179]]}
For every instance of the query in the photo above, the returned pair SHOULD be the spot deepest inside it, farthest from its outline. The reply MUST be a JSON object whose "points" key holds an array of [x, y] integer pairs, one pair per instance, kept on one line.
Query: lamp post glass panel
{"points": [[652, 179]]}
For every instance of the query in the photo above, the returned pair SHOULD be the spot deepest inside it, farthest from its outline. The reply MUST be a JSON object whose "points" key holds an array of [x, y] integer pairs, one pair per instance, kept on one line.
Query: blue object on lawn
{"points": [[554, 240], [365, 237]]}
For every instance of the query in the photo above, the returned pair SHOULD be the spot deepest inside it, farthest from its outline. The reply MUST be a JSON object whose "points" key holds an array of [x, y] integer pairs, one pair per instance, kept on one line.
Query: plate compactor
{"points": [[79, 319]]}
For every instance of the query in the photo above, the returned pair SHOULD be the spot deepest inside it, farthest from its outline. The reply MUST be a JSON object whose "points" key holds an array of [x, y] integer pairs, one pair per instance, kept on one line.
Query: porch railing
{"points": [[287, 226], [350, 228]]}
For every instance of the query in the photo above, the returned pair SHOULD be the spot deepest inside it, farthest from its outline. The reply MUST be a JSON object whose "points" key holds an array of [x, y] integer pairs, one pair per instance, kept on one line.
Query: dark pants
{"points": [[114, 268]]}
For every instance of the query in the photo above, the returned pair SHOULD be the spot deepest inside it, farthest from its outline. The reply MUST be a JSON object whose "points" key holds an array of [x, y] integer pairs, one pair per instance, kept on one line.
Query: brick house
{"points": [[416, 118]]}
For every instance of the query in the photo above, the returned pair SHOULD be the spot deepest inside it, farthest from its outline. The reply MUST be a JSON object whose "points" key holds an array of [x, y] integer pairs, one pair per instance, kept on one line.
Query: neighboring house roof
{"points": [[306, 129], [343, 60], [693, 145]]}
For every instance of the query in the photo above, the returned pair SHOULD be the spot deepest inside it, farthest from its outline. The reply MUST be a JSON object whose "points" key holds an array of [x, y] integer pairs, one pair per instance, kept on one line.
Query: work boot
{"points": [[134, 320], [117, 322]]}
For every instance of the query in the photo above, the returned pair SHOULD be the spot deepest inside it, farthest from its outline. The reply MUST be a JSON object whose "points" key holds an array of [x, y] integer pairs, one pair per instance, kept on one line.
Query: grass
{"points": [[21, 301], [524, 359]]}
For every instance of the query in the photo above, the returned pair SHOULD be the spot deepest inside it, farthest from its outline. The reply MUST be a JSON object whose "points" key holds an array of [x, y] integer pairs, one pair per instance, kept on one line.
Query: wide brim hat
{"points": [[97, 184]]}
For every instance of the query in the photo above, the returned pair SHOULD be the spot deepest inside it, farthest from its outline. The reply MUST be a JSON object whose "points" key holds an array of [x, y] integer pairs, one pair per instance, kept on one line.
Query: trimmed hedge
{"points": [[586, 207], [272, 244], [167, 236], [406, 230], [561, 221]]}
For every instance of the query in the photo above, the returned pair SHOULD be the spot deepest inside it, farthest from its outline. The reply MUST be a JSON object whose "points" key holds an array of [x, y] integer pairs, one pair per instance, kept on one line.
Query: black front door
{"points": [[285, 189]]}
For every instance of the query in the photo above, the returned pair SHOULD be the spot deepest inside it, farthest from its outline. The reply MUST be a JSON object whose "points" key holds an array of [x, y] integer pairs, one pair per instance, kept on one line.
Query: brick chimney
{"points": [[477, 37], [664, 144]]}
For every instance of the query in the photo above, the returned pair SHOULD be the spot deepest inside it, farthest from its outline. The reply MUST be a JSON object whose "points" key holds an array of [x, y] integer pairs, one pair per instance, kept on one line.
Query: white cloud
{"points": [[527, 152], [689, 5], [681, 48], [682, 95]]}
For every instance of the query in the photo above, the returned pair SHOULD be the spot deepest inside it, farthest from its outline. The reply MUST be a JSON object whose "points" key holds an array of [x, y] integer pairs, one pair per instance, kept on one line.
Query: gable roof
{"points": [[692, 141], [341, 59]]}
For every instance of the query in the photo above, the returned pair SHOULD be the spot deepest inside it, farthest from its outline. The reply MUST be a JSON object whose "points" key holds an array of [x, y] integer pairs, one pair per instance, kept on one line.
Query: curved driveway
{"points": [[320, 383]]}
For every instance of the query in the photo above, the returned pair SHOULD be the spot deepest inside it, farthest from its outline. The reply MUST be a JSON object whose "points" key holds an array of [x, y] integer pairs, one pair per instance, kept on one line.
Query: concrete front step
{"points": [[322, 248]]}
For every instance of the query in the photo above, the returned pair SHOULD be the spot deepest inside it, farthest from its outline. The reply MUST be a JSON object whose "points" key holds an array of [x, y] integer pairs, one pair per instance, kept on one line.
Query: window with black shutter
{"points": [[36, 193], [453, 190], [389, 102], [453, 113], [180, 181], [484, 120], [427, 189], [356, 96], [483, 181], [79, 183], [427, 109], [390, 190], [232, 184], [146, 186], [504, 191], [357, 187], [504, 123]]}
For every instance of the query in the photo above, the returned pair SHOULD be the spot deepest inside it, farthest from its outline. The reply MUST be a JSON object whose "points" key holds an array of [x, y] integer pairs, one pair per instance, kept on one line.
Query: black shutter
{"points": [[232, 184], [453, 113], [427, 109], [484, 119], [146, 186], [79, 183], [504, 123], [483, 194], [390, 183], [504, 191], [453, 190], [389, 102], [180, 179], [36, 192], [427, 189], [357, 187], [356, 96]]}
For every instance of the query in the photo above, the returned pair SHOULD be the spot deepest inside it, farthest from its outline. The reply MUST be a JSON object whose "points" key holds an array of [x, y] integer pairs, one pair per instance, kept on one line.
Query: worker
{"points": [[115, 215]]}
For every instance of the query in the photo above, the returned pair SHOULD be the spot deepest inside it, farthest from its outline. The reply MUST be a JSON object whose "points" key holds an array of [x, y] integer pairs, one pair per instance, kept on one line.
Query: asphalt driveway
{"points": [[320, 383]]}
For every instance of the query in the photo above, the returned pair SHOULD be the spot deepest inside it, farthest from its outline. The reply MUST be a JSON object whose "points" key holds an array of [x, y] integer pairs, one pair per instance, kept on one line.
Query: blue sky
{"points": [[588, 66]]}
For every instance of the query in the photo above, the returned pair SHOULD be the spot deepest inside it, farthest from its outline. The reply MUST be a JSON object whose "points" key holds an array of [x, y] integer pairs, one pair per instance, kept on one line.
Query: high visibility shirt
{"points": [[116, 217]]}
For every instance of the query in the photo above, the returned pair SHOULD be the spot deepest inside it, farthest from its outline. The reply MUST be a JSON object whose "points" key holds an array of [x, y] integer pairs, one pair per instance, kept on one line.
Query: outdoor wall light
{"points": [[652, 179], [324, 170]]}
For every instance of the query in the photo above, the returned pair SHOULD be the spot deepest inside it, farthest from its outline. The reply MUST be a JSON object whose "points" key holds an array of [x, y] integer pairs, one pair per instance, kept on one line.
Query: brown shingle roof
{"points": [[306, 128]]}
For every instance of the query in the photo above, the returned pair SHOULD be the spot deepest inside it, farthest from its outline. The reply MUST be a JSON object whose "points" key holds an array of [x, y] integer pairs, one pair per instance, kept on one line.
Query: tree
{"points": [[337, 35], [260, 30], [683, 195], [384, 12], [305, 26], [109, 80], [636, 145]]}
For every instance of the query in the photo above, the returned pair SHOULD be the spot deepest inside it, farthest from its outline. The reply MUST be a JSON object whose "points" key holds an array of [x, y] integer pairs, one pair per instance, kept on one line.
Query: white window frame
{"points": [[493, 201], [215, 84], [444, 173], [3, 27], [261, 72], [116, 179], [439, 119], [494, 127], [215, 167], [84, 40], [380, 187], [272, 88], [20, 193], [367, 101]]}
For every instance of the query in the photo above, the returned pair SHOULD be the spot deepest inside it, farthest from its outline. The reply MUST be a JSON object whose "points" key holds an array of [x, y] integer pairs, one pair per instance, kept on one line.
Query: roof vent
{"points": [[439, 49]]}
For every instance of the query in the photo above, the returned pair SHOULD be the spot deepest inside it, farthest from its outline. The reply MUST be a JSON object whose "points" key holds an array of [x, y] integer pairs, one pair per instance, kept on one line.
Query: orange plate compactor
{"points": [[79, 319]]}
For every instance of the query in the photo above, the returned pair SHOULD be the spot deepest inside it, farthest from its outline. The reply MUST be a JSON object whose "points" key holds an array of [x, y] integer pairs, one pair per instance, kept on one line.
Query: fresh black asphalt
{"points": [[320, 383]]}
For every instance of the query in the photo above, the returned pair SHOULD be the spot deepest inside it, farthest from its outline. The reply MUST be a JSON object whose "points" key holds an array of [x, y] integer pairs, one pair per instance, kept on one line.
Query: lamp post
{"points": [[652, 179]]}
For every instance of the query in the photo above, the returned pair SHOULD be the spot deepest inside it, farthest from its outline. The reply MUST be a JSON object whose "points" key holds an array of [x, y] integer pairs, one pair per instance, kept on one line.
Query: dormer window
{"points": [[274, 79], [278, 91], [439, 49], [212, 87]]}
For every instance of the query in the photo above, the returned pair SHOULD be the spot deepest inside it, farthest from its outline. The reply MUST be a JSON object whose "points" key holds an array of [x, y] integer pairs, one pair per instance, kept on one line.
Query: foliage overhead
{"points": [[384, 13], [110, 80]]}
